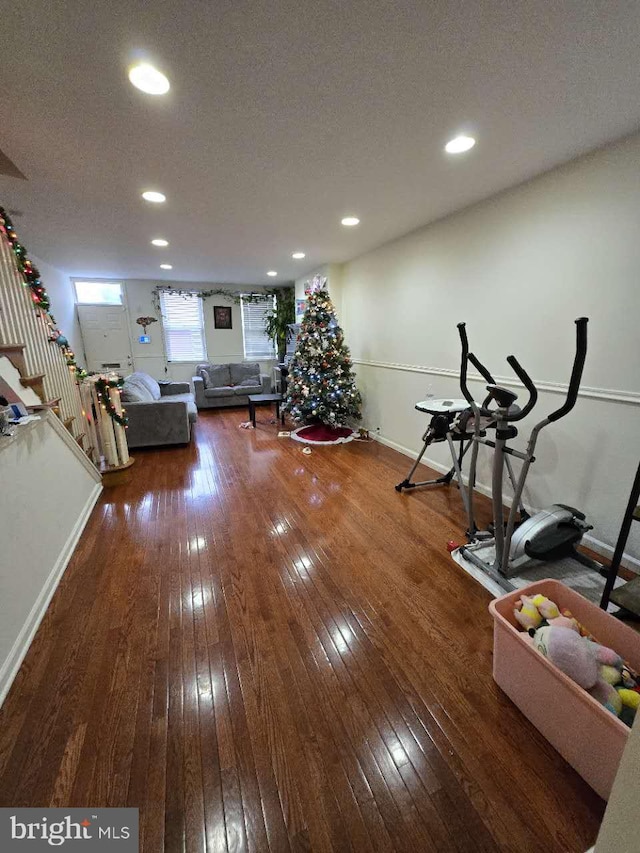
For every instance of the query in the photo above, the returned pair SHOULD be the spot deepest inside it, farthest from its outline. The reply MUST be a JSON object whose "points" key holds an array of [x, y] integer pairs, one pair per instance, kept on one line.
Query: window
{"points": [[99, 292], [256, 342], [183, 324]]}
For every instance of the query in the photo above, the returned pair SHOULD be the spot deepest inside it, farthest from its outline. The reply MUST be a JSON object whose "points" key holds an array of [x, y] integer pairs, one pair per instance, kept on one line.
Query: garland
{"points": [[281, 301], [29, 272], [31, 279], [231, 295], [70, 358], [104, 398]]}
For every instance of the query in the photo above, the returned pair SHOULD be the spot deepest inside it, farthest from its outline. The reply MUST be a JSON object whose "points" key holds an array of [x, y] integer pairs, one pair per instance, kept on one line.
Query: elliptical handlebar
{"points": [[576, 372], [526, 380], [574, 382], [482, 370], [463, 366]]}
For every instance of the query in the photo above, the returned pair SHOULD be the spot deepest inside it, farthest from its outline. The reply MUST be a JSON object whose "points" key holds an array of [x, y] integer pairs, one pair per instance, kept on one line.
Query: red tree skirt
{"points": [[322, 434]]}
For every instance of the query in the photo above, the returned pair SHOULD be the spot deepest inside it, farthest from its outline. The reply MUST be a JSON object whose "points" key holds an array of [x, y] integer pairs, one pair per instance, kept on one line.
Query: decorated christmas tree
{"points": [[321, 386]]}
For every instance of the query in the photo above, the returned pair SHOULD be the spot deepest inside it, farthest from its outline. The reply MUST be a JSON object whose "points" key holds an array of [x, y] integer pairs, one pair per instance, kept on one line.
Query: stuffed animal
{"points": [[581, 660], [565, 622], [608, 696], [629, 678], [530, 612], [629, 698], [611, 674], [583, 631], [546, 608], [527, 614]]}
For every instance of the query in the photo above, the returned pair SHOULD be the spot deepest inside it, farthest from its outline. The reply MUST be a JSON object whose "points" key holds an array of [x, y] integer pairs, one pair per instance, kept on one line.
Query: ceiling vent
{"points": [[7, 167]]}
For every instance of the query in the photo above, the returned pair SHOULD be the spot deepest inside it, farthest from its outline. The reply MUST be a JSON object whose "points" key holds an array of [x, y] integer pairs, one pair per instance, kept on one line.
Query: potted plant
{"points": [[279, 318]]}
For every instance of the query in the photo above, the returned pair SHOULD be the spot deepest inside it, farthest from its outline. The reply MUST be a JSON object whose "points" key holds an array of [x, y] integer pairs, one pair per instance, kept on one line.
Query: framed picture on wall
{"points": [[222, 317]]}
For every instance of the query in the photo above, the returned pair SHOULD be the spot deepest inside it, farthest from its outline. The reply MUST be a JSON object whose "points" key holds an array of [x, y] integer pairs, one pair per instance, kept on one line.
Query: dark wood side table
{"points": [[261, 399]]}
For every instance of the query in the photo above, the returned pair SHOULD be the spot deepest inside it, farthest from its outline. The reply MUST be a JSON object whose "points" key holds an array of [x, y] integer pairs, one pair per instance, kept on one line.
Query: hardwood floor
{"points": [[269, 651]]}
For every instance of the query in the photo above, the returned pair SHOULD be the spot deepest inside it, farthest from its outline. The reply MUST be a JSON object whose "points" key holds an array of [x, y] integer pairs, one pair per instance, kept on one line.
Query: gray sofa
{"points": [[220, 385], [158, 412]]}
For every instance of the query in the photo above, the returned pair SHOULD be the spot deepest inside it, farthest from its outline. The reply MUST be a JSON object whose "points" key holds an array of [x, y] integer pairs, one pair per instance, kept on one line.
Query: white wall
{"points": [[63, 306], [518, 268], [48, 490], [223, 345], [616, 835]]}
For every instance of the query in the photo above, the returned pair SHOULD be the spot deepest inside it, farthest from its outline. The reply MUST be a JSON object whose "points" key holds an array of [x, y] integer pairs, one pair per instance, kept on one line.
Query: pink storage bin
{"points": [[588, 736]]}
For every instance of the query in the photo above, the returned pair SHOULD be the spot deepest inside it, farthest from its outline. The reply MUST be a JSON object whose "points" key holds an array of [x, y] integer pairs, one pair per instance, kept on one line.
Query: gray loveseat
{"points": [[159, 413], [221, 385]]}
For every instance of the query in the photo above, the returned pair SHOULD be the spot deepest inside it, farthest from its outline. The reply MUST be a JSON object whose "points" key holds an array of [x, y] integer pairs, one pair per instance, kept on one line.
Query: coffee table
{"points": [[261, 399]]}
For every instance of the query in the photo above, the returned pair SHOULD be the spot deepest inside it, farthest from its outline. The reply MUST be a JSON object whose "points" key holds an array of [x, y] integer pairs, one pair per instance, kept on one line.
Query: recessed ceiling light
{"points": [[350, 221], [153, 196], [298, 256], [272, 273], [459, 144], [159, 241], [148, 79], [166, 267]]}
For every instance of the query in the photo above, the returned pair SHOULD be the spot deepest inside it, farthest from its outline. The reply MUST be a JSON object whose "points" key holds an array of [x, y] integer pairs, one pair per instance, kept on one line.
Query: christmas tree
{"points": [[321, 386]]}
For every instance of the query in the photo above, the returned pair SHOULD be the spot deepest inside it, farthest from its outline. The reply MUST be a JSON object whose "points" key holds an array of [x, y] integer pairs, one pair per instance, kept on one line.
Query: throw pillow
{"points": [[242, 371], [149, 382], [253, 381], [134, 391], [215, 375]]}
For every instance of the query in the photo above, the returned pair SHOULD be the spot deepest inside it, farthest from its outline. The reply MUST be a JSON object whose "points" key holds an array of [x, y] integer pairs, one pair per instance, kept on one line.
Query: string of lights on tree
{"points": [[31, 279], [102, 387], [321, 386]]}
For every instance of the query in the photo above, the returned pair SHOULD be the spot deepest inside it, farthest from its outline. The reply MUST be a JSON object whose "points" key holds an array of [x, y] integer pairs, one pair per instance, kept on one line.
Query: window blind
{"points": [[183, 325], [256, 342]]}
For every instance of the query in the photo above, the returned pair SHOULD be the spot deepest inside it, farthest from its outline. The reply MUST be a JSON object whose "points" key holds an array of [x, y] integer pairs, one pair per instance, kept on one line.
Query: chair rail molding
{"points": [[608, 394]]}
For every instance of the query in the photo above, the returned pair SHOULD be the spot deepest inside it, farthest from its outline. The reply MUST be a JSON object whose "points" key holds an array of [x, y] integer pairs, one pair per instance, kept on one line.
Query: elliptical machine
{"points": [[453, 421], [550, 534]]}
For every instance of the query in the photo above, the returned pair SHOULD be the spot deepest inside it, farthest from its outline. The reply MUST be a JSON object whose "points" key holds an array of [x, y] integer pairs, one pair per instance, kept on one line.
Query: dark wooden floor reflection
{"points": [[269, 651]]}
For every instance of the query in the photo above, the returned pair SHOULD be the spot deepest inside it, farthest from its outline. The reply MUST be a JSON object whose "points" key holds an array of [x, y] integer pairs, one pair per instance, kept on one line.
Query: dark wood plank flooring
{"points": [[268, 651]]}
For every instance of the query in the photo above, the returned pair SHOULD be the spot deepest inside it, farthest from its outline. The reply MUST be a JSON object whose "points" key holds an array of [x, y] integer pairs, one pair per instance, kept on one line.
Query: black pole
{"points": [[612, 573]]}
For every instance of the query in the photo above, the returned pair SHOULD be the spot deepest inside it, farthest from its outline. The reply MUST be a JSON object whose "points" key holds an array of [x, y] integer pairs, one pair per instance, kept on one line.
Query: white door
{"points": [[105, 333]]}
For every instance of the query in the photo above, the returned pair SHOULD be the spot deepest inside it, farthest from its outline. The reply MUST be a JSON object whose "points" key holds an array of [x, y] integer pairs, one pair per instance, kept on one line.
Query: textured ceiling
{"points": [[285, 116]]}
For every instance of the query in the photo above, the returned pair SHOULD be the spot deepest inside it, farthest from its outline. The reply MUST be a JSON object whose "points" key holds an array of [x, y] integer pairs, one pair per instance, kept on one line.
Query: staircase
{"points": [[40, 363], [17, 380]]}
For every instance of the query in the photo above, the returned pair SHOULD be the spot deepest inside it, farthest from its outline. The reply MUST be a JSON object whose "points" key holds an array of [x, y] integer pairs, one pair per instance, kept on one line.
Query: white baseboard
{"points": [[601, 548], [11, 665], [605, 550], [437, 466]]}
